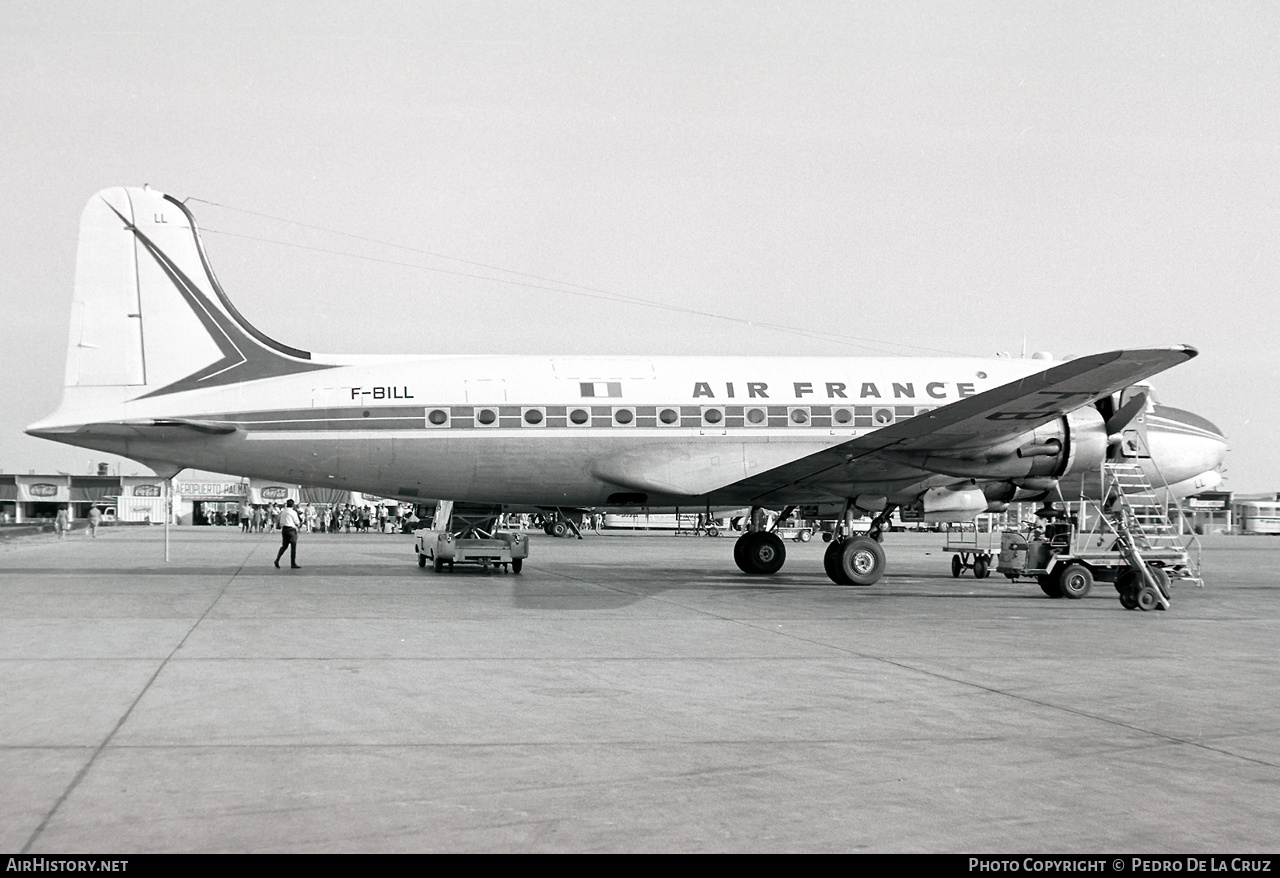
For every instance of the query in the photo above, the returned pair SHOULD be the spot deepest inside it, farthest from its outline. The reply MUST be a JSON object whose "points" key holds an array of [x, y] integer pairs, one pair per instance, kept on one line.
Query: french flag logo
{"points": [[601, 389]]}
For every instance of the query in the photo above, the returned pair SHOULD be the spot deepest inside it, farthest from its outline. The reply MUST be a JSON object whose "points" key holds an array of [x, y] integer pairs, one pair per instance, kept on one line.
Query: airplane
{"points": [[163, 369]]}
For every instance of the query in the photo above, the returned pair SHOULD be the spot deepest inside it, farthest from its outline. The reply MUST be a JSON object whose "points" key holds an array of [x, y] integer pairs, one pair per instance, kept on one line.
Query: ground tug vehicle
{"points": [[1125, 539]]}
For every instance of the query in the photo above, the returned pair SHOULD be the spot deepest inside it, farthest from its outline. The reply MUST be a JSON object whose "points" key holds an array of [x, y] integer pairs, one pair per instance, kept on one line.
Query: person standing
{"points": [[95, 518], [63, 522], [289, 525]]}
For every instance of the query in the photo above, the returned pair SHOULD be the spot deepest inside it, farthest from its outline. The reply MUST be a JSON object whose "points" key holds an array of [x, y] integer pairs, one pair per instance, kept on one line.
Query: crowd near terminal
{"points": [[203, 500]]}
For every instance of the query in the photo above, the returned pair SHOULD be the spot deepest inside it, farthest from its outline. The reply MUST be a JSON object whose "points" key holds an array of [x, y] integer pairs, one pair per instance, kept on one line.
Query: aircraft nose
{"points": [[1184, 444]]}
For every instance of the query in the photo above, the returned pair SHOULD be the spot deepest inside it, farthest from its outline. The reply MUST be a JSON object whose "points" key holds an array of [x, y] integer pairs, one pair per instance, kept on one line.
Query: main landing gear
{"points": [[854, 560], [850, 559], [760, 552], [857, 559]]}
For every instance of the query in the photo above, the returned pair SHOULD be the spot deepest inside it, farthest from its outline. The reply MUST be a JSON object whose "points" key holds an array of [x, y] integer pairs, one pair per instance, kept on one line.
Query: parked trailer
{"points": [[444, 549], [690, 523], [464, 533], [974, 548]]}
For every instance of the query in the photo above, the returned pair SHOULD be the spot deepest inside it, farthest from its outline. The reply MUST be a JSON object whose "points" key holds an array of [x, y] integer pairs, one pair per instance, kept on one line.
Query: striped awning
{"points": [[324, 495]]}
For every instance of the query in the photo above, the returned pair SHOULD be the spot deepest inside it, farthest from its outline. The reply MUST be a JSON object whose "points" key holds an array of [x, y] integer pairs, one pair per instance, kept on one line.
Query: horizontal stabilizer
{"points": [[150, 429]]}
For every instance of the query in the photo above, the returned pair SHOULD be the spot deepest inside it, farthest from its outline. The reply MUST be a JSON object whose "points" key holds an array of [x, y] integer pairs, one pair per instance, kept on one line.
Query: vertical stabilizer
{"points": [[149, 318]]}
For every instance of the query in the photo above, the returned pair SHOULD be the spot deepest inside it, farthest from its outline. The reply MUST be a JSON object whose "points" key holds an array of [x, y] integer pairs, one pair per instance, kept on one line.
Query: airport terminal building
{"points": [[141, 499]]}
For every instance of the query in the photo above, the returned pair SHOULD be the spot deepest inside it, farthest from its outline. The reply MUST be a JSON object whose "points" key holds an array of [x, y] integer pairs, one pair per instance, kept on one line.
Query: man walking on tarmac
{"points": [[289, 525]]}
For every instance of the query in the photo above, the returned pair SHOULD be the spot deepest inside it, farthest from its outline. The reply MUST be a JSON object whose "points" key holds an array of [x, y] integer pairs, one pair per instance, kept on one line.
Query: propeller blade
{"points": [[1125, 414]]}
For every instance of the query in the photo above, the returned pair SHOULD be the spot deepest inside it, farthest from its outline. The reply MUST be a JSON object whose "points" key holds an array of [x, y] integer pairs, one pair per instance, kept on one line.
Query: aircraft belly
{"points": [[541, 469], [698, 466]]}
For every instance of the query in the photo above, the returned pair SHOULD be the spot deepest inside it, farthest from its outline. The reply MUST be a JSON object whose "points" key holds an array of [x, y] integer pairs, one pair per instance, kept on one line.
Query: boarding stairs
{"points": [[1139, 516]]}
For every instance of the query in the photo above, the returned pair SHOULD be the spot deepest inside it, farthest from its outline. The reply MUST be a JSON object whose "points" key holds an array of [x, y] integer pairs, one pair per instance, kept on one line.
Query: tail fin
{"points": [[149, 317]]}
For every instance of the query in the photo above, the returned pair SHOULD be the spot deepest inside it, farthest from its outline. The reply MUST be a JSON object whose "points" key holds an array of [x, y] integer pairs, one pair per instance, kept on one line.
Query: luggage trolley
{"points": [[973, 550]]}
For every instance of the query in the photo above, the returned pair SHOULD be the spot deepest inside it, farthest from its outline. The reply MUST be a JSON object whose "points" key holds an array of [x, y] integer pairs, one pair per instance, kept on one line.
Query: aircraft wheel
{"points": [[740, 552], [1129, 584], [558, 528], [713, 531], [1075, 581], [764, 553], [516, 564], [1049, 585], [980, 570], [957, 566], [831, 563], [862, 560], [1148, 598], [422, 560]]}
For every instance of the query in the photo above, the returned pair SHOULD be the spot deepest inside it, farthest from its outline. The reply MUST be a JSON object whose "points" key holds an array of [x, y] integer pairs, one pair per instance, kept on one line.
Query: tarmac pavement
{"points": [[624, 693]]}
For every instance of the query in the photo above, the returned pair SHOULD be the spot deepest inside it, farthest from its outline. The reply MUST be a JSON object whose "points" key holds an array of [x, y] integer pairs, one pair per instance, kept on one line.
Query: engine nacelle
{"points": [[1086, 448], [953, 503], [1069, 448]]}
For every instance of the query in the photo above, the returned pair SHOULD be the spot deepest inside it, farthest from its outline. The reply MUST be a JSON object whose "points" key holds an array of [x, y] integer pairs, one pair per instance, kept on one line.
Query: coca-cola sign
{"points": [[43, 489]]}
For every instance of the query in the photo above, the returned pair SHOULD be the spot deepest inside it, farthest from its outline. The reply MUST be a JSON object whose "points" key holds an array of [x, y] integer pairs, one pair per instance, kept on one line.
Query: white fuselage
{"points": [[562, 431]]}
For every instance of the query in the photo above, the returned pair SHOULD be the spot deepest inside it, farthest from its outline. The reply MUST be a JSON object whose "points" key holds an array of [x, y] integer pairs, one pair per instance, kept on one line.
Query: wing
{"points": [[983, 421]]}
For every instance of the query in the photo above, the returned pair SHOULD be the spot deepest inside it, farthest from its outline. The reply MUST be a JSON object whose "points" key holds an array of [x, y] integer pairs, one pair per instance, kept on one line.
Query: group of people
{"points": [[363, 519], [266, 518], [342, 518], [62, 522], [321, 520], [290, 520]]}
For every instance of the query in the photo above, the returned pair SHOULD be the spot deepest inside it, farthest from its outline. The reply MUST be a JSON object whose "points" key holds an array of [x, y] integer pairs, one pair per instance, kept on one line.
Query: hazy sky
{"points": [[911, 177]]}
